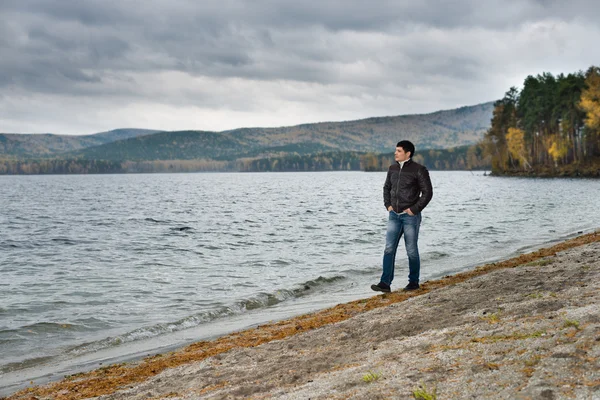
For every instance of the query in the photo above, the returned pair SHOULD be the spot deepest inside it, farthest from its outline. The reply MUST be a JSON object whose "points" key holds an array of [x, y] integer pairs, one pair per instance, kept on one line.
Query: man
{"points": [[406, 192]]}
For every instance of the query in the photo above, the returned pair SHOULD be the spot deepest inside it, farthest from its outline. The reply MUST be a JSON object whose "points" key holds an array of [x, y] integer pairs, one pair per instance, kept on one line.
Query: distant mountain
{"points": [[441, 129], [438, 130], [14, 145], [121, 134], [181, 145]]}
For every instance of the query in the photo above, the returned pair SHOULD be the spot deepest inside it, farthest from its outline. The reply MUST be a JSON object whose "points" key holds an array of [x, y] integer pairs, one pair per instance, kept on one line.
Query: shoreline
{"points": [[110, 379]]}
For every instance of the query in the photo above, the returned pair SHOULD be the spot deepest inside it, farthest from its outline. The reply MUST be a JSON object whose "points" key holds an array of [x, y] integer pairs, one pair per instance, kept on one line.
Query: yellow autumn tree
{"points": [[557, 148], [590, 98], [515, 140]]}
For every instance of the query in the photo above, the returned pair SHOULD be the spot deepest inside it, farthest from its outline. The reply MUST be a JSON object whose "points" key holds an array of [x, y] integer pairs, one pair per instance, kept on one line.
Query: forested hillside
{"points": [[550, 127], [24, 146], [442, 129], [350, 145], [439, 130]]}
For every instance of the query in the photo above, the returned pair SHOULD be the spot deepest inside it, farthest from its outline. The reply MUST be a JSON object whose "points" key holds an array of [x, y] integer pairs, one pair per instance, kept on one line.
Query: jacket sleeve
{"points": [[387, 188], [426, 191]]}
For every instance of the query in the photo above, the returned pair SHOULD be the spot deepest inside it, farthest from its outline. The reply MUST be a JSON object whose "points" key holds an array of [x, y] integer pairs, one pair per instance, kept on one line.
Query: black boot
{"points": [[381, 287], [411, 286]]}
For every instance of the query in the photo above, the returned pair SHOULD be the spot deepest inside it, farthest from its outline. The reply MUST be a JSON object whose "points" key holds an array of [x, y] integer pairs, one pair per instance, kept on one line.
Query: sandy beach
{"points": [[524, 328]]}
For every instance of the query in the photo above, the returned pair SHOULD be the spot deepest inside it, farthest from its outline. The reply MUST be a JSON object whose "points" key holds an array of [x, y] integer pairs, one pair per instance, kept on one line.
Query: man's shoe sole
{"points": [[380, 289], [410, 289]]}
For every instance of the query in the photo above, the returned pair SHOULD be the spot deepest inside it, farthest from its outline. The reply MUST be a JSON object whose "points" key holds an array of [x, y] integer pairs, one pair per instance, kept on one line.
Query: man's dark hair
{"points": [[407, 146]]}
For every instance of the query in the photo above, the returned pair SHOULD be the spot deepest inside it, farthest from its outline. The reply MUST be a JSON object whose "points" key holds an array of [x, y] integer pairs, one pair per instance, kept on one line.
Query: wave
{"points": [[9, 340], [357, 240], [277, 261], [513, 221], [209, 246], [364, 271], [45, 327], [490, 230], [259, 301], [30, 362], [102, 223], [151, 220], [25, 244], [182, 228], [435, 255], [64, 241], [256, 302], [155, 220]]}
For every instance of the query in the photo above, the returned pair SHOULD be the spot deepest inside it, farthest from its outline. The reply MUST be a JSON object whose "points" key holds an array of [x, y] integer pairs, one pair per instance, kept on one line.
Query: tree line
{"points": [[551, 126], [455, 158], [459, 158], [59, 166]]}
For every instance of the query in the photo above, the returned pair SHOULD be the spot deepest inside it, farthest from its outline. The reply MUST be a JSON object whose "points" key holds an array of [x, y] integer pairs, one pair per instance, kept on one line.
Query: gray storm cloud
{"points": [[284, 62]]}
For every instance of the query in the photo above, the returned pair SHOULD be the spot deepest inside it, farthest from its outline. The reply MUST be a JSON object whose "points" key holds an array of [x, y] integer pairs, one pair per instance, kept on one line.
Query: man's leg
{"points": [[392, 237], [411, 237]]}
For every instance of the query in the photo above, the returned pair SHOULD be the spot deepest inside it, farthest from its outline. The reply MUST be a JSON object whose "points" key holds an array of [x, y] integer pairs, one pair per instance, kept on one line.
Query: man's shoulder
{"points": [[416, 166], [394, 167]]}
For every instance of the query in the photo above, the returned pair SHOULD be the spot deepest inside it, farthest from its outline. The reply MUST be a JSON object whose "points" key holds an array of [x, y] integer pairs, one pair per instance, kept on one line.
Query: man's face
{"points": [[400, 155]]}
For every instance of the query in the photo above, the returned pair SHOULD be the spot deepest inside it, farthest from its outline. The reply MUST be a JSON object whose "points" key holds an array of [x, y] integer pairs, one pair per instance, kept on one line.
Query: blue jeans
{"points": [[399, 224]]}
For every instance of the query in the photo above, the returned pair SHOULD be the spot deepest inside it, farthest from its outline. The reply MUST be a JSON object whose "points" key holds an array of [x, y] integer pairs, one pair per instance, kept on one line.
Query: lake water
{"points": [[102, 268]]}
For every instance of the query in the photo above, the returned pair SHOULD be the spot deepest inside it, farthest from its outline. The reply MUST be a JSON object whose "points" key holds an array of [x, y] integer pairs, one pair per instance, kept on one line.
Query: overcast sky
{"points": [[85, 66]]}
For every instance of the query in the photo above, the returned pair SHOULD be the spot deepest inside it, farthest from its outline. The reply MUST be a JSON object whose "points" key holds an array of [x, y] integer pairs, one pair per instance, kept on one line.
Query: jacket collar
{"points": [[401, 165]]}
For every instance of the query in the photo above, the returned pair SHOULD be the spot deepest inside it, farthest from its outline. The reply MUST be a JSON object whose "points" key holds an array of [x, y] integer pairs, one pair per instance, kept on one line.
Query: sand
{"points": [[525, 328]]}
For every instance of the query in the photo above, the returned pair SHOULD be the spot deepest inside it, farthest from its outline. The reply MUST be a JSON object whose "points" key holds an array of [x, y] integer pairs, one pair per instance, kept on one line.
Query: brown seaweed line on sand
{"points": [[109, 379]]}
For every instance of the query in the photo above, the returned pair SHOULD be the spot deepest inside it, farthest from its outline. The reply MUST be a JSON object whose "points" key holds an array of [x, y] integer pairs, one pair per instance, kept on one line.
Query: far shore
{"points": [[526, 327]]}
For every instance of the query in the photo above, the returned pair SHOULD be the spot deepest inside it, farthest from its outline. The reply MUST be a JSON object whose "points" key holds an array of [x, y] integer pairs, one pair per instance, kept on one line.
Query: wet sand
{"points": [[527, 327]]}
